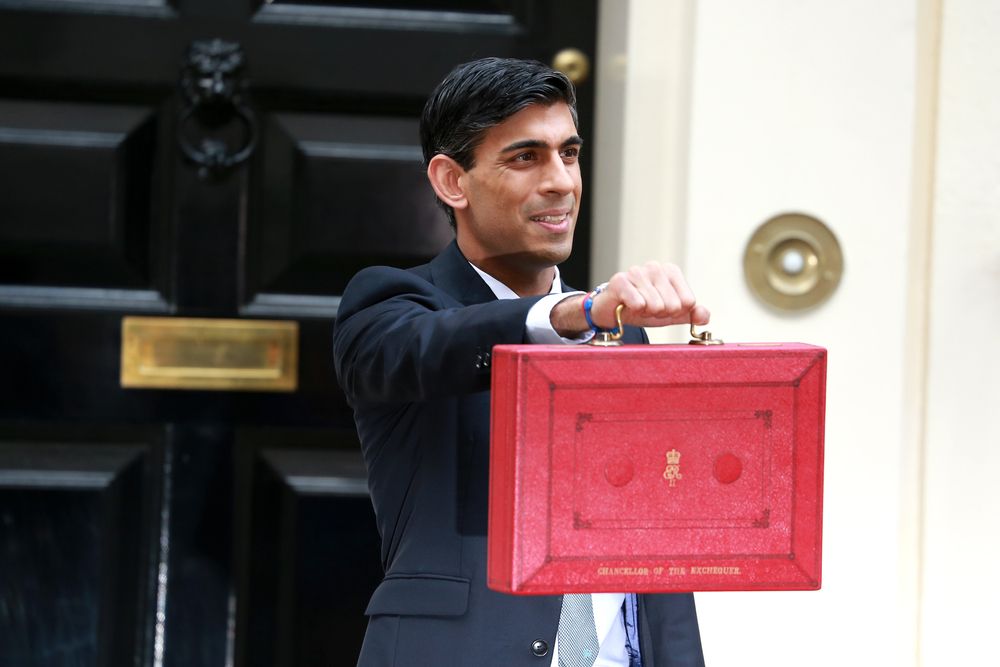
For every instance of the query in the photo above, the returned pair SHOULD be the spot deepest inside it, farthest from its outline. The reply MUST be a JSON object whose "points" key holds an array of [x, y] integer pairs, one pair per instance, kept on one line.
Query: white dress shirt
{"points": [[608, 619]]}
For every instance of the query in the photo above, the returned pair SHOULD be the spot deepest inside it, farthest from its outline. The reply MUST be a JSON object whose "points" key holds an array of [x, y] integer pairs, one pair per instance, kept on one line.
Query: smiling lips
{"points": [[553, 222]]}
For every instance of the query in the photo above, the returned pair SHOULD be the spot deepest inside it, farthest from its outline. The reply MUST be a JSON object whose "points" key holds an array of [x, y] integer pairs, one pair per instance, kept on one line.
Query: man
{"points": [[412, 351]]}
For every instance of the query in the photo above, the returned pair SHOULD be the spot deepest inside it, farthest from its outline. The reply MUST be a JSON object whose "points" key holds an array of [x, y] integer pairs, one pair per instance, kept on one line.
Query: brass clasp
{"points": [[703, 338], [610, 338]]}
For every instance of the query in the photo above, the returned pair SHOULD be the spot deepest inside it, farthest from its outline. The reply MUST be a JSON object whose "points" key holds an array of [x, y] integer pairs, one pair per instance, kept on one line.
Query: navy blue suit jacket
{"points": [[412, 354]]}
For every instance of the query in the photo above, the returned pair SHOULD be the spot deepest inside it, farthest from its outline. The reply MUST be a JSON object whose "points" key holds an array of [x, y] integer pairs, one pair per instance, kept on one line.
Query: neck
{"points": [[538, 284], [523, 281]]}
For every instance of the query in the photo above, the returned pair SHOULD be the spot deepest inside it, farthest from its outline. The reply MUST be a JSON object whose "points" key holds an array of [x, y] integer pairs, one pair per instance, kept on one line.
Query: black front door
{"points": [[207, 159]]}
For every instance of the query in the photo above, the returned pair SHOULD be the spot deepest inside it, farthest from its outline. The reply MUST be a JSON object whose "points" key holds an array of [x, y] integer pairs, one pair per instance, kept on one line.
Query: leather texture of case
{"points": [[656, 468]]}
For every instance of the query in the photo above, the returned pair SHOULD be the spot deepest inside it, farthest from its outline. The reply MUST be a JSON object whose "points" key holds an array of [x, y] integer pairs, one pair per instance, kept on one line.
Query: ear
{"points": [[445, 177]]}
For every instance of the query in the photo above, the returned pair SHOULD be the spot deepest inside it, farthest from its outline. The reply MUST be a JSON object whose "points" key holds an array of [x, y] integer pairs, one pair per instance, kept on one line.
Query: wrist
{"points": [[567, 317], [587, 306]]}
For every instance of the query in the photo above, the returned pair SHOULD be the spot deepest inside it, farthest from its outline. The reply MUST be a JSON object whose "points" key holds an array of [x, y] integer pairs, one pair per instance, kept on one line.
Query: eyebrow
{"points": [[537, 143]]}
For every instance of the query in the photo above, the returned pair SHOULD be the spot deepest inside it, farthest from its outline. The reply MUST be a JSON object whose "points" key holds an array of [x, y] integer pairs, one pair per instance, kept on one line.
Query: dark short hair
{"points": [[481, 94]]}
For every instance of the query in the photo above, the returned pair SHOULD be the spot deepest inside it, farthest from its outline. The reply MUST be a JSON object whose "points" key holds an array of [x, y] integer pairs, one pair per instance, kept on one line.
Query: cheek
{"points": [[510, 200]]}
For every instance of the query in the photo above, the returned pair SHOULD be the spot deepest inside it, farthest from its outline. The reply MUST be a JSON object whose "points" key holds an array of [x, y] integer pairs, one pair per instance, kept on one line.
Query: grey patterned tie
{"points": [[577, 635]]}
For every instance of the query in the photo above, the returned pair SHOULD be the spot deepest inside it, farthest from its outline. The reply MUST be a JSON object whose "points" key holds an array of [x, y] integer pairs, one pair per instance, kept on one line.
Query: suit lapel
{"points": [[452, 273]]}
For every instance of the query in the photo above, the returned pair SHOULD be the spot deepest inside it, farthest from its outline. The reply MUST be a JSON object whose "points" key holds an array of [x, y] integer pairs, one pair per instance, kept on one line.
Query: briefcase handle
{"points": [[613, 338], [703, 338], [605, 338]]}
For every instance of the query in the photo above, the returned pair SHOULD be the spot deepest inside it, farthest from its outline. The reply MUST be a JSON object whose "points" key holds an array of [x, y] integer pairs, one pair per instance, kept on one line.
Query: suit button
{"points": [[539, 648]]}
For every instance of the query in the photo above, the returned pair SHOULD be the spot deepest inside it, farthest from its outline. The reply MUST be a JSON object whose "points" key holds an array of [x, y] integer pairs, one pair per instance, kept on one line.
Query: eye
{"points": [[523, 157], [571, 153]]}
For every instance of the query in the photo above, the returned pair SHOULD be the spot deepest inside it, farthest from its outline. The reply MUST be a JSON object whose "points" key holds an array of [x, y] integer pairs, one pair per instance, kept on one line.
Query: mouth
{"points": [[555, 222]]}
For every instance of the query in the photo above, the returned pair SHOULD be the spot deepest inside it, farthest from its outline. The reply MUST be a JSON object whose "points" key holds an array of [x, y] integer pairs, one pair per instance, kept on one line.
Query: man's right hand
{"points": [[654, 294]]}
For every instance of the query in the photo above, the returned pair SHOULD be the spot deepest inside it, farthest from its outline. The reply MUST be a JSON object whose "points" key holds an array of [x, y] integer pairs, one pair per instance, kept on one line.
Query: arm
{"points": [[399, 338]]}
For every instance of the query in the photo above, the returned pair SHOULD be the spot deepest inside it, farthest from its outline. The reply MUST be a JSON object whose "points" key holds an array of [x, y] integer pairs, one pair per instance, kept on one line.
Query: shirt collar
{"points": [[501, 291]]}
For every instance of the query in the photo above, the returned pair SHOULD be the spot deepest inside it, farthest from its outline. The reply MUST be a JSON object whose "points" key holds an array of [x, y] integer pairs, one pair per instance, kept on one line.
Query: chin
{"points": [[556, 255]]}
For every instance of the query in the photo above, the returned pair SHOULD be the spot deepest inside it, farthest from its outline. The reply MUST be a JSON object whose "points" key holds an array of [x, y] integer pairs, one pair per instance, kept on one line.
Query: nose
{"points": [[558, 177]]}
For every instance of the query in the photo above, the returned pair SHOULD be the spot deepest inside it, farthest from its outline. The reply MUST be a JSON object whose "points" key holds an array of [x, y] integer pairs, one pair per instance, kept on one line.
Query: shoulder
{"points": [[376, 284], [388, 278], [372, 276]]}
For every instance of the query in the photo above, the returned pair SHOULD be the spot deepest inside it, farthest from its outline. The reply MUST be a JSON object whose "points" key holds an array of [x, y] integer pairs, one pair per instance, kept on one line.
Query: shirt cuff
{"points": [[539, 325]]}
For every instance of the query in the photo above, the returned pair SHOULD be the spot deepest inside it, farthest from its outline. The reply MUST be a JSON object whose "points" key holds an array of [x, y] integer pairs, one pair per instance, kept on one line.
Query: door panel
{"points": [[293, 568], [227, 527], [76, 559], [339, 193], [76, 207]]}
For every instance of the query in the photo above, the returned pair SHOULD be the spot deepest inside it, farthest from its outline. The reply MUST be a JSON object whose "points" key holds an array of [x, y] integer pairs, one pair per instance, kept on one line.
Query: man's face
{"points": [[523, 194]]}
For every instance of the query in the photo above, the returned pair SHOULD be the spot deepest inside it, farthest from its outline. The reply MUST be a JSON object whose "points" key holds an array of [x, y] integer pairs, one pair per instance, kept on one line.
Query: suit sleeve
{"points": [[398, 338]]}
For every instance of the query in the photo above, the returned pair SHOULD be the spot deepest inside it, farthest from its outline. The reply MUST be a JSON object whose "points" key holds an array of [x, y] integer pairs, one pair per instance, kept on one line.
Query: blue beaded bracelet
{"points": [[588, 303]]}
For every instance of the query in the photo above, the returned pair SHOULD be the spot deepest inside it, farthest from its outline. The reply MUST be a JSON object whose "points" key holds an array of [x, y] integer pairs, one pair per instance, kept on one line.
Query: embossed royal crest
{"points": [[672, 473]]}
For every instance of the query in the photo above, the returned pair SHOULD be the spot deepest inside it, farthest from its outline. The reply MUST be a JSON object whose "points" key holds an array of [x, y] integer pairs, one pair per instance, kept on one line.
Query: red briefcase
{"points": [[656, 468]]}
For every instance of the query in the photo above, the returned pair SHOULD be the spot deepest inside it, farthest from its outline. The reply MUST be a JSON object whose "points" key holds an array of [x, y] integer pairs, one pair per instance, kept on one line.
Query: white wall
{"points": [[881, 119], [643, 100], [961, 528], [807, 105]]}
